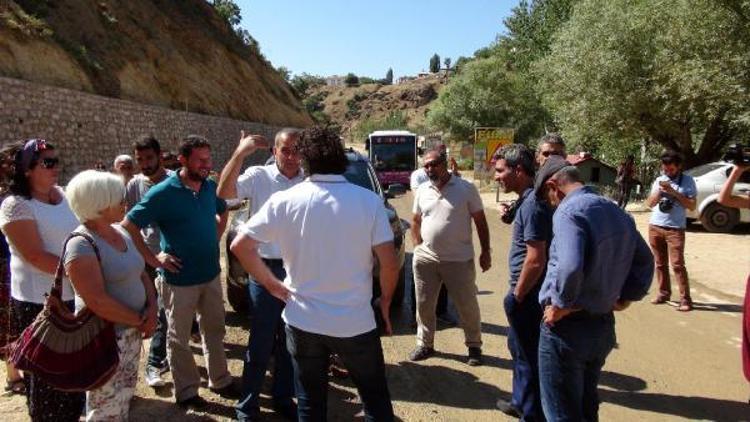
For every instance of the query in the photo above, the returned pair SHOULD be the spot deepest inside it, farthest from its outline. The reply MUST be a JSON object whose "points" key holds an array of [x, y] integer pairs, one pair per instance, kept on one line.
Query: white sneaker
{"points": [[153, 377]]}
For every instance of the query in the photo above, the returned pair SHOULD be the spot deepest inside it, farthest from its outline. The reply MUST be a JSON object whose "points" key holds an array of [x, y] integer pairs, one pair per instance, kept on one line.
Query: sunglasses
{"points": [[49, 162], [434, 163], [548, 153]]}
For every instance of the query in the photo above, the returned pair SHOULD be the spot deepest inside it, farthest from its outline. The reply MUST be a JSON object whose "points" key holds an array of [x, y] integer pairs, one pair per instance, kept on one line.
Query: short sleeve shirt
{"points": [[121, 270], [257, 184], [446, 219], [187, 221], [326, 228], [134, 192], [676, 218], [533, 222]]}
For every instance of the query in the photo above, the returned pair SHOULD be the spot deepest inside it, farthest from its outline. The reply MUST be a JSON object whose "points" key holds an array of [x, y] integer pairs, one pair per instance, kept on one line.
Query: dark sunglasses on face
{"points": [[49, 162], [548, 153], [434, 163]]}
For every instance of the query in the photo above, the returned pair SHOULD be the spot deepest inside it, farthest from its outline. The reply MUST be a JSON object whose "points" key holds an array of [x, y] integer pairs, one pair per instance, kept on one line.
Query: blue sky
{"points": [[327, 37]]}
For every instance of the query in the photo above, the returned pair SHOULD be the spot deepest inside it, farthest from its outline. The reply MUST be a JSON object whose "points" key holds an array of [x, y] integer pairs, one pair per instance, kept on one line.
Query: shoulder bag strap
{"points": [[60, 272]]}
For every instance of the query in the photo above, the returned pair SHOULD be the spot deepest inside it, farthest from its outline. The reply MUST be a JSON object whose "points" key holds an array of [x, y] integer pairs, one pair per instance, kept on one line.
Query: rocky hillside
{"points": [[350, 106], [177, 54]]}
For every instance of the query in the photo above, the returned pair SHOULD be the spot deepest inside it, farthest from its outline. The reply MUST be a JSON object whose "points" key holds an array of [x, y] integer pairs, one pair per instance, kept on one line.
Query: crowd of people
{"points": [[149, 263]]}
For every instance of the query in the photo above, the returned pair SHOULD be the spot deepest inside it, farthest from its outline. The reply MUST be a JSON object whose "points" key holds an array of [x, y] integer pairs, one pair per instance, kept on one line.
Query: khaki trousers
{"points": [[180, 304], [460, 282]]}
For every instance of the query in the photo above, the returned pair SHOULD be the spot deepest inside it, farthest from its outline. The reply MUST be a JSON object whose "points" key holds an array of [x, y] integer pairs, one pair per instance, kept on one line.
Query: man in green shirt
{"points": [[191, 219]]}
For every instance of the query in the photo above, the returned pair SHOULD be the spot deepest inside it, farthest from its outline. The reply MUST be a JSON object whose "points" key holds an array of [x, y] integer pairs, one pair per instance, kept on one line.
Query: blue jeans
{"points": [[362, 355], [571, 356], [267, 337], [523, 342], [157, 353]]}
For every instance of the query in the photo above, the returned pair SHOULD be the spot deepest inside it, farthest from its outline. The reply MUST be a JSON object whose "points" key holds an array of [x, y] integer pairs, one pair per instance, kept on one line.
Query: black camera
{"points": [[510, 215], [665, 205], [737, 154]]}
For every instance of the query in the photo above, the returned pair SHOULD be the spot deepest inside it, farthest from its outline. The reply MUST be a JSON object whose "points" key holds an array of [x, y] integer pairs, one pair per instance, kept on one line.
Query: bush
{"points": [[351, 80]]}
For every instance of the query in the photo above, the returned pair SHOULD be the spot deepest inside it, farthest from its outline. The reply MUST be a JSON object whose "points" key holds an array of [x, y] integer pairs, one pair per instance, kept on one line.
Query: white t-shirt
{"points": [[257, 184], [446, 219], [326, 228], [54, 223]]}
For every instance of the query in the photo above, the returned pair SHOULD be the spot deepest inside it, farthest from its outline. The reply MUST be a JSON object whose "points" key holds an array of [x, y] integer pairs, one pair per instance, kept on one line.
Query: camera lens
{"points": [[665, 205]]}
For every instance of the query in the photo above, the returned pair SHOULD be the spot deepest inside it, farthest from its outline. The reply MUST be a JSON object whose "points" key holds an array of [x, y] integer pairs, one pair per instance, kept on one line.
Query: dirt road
{"points": [[668, 365]]}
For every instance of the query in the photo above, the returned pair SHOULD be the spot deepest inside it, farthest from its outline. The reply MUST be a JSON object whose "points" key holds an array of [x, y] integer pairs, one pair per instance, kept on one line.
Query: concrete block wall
{"points": [[86, 128]]}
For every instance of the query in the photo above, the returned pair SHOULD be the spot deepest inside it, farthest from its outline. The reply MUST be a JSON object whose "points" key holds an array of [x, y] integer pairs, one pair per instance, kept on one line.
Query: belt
{"points": [[675, 229]]}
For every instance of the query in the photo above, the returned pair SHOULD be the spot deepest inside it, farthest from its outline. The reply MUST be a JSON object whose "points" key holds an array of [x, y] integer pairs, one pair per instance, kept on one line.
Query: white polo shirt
{"points": [[326, 228], [446, 219], [257, 184]]}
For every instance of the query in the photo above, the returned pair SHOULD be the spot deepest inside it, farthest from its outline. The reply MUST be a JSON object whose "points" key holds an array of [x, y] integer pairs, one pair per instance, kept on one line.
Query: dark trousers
{"points": [[157, 354], [523, 342], [46, 403], [571, 356], [362, 356], [267, 337], [623, 194]]}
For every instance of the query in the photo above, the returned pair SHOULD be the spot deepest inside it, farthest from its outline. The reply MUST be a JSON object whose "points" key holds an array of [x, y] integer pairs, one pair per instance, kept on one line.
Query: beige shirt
{"points": [[446, 219]]}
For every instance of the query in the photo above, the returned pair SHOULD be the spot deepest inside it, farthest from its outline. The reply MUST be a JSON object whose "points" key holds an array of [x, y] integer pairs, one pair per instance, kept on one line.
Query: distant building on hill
{"points": [[335, 80]]}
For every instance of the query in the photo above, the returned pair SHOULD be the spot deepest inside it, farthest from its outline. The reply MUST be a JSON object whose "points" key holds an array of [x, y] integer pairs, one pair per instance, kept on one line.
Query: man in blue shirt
{"points": [[671, 194], [532, 232], [598, 263], [191, 219]]}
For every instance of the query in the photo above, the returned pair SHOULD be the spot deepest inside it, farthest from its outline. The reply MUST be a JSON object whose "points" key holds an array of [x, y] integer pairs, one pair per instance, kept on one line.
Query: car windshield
{"points": [[393, 157], [357, 173], [704, 169]]}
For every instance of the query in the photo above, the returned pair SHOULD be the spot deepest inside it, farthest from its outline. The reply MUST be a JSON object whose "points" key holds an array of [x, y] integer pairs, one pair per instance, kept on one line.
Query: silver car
{"points": [[709, 178]]}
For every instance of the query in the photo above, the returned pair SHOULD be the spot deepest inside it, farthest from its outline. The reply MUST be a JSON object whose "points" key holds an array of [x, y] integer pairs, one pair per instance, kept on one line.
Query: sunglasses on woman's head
{"points": [[49, 162]]}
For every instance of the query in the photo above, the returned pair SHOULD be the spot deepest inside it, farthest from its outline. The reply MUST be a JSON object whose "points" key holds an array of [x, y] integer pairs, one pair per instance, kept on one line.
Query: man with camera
{"points": [[671, 195]]}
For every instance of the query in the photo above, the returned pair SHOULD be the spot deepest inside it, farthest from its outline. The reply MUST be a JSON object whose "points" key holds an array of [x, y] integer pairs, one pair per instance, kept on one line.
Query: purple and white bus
{"points": [[393, 154]]}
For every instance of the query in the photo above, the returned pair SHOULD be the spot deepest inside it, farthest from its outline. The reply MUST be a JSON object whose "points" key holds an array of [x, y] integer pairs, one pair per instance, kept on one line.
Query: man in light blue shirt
{"points": [[671, 194], [598, 263]]}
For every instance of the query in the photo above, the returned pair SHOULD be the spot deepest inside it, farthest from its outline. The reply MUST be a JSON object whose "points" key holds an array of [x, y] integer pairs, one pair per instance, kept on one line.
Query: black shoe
{"points": [[421, 353], [475, 356], [196, 403], [229, 392], [507, 408], [287, 411]]}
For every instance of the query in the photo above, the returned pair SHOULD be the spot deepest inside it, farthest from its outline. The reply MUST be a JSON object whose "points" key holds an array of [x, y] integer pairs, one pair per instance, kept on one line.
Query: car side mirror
{"points": [[394, 190]]}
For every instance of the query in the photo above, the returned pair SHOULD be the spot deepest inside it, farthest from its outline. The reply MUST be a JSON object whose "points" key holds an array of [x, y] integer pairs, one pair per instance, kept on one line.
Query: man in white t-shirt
{"points": [[328, 287], [267, 335], [444, 254]]}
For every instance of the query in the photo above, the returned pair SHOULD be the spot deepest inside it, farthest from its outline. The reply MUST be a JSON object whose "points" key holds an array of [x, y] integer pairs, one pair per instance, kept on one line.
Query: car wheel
{"points": [[238, 297], [719, 219]]}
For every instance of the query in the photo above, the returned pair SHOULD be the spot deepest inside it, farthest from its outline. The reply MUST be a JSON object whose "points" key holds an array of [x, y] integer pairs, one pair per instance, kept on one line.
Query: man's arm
{"points": [[570, 252], [416, 229], [227, 188], [140, 244], [725, 195], [245, 248], [654, 197], [221, 223], [386, 254], [483, 231], [533, 267], [640, 275]]}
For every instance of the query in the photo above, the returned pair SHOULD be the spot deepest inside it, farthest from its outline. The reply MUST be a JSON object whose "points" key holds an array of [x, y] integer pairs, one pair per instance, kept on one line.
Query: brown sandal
{"points": [[685, 306], [15, 386]]}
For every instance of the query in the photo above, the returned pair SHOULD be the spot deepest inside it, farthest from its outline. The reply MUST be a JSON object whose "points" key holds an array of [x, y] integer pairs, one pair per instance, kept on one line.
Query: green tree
{"points": [[303, 82], [447, 62], [388, 77], [434, 63], [485, 93], [394, 120], [285, 73], [673, 72], [351, 80], [229, 10]]}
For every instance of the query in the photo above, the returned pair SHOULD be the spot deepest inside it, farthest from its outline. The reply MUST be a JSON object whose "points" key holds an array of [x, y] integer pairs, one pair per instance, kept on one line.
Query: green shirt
{"points": [[187, 220]]}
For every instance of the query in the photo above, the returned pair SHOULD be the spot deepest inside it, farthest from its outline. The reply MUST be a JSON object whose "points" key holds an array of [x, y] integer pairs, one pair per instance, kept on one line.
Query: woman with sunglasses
{"points": [[36, 219]]}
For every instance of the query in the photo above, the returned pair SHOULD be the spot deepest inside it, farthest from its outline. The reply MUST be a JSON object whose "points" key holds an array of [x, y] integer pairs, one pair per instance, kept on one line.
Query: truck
{"points": [[393, 154]]}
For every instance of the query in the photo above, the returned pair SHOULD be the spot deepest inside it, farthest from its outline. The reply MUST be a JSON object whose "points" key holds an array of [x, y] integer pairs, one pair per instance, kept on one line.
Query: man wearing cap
{"points": [[444, 254], [598, 263], [532, 232]]}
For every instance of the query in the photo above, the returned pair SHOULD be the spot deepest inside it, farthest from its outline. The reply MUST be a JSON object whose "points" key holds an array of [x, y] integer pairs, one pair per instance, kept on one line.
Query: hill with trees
{"points": [[186, 55]]}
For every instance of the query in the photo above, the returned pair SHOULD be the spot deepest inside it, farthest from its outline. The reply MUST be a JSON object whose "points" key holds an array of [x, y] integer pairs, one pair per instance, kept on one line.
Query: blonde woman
{"points": [[115, 287]]}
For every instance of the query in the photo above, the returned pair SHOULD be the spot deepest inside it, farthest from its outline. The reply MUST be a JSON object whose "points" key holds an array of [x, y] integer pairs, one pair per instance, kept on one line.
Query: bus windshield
{"points": [[393, 157]]}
